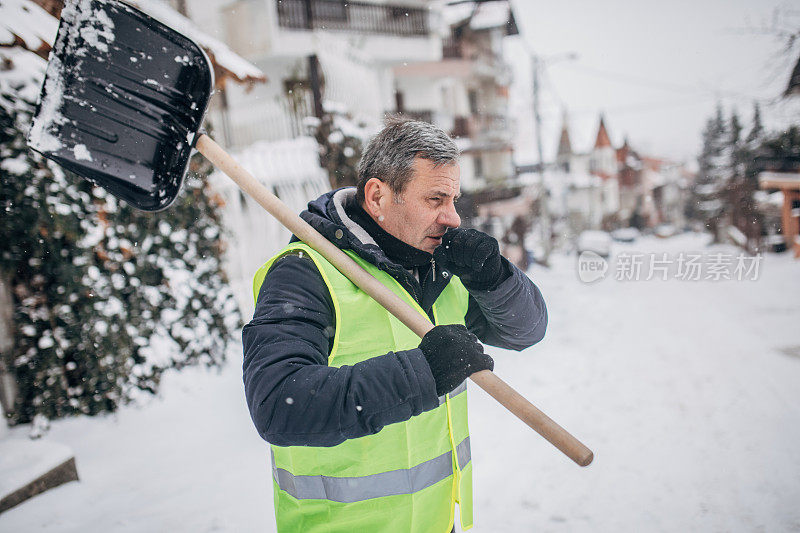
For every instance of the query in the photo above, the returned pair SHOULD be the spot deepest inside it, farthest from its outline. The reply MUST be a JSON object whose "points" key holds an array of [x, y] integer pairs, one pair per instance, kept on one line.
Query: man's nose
{"points": [[449, 217]]}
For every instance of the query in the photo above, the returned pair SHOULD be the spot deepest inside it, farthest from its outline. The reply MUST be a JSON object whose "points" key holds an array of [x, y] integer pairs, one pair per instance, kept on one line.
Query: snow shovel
{"points": [[122, 105]]}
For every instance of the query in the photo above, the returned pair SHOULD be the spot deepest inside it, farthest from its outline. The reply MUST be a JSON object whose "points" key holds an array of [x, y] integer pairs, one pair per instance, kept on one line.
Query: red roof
{"points": [[564, 145], [623, 151], [602, 135]]}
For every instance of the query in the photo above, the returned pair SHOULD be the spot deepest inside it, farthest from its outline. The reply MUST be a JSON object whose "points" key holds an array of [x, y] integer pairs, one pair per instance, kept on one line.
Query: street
{"points": [[687, 392]]}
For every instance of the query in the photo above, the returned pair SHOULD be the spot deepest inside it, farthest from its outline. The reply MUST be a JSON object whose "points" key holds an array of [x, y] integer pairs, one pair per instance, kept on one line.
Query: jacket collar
{"points": [[327, 215]]}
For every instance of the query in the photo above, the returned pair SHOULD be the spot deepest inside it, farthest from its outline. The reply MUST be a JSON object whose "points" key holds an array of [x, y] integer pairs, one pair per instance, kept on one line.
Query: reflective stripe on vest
{"points": [[355, 489], [455, 392]]}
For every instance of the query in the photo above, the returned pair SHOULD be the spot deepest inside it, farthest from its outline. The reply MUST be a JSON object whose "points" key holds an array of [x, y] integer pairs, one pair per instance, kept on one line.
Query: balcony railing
{"points": [[490, 124], [353, 16], [481, 126], [269, 120], [451, 48], [422, 116]]}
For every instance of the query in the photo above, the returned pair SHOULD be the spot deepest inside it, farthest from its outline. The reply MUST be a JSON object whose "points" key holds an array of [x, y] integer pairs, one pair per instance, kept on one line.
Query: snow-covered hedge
{"points": [[105, 297]]}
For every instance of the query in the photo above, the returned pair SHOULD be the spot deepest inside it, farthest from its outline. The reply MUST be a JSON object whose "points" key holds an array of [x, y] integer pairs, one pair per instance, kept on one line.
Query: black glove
{"points": [[454, 354], [474, 257]]}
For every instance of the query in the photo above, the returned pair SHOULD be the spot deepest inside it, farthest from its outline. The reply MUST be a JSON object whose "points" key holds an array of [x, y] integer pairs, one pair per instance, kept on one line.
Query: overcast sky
{"points": [[655, 68]]}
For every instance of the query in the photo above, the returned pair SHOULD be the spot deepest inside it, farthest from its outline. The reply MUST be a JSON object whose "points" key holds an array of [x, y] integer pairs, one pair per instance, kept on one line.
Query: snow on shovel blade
{"points": [[122, 101]]}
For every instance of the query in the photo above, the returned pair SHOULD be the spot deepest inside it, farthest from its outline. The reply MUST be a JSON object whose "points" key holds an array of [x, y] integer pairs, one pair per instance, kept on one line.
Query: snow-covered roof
{"points": [[223, 57], [485, 15], [453, 14], [779, 180], [491, 15], [25, 24], [774, 199]]}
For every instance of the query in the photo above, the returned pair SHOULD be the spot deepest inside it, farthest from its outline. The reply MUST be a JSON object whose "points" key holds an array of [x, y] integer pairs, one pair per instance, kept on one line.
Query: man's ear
{"points": [[375, 196]]}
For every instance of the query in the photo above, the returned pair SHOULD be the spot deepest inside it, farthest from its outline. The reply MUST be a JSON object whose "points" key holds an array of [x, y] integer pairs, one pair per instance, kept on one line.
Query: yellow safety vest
{"points": [[406, 478]]}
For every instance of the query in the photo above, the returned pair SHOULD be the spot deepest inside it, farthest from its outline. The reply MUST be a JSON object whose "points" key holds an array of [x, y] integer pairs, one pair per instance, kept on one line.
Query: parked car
{"points": [[665, 230], [625, 234], [775, 243], [595, 241]]}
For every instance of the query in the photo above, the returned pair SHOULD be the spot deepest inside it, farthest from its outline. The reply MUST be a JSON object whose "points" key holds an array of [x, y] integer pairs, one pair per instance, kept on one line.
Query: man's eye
{"points": [[435, 199]]}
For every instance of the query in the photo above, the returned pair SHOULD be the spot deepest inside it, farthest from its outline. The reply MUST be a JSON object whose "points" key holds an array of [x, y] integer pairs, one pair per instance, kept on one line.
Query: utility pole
{"points": [[316, 88], [544, 212], [313, 66]]}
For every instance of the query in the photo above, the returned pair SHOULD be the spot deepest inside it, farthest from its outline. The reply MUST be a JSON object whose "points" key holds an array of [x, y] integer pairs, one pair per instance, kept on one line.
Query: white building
{"points": [[465, 91], [626, 188], [356, 44], [591, 192]]}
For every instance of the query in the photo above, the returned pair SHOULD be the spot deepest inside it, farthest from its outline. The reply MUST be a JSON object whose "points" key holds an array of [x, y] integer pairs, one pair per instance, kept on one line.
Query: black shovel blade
{"points": [[123, 98]]}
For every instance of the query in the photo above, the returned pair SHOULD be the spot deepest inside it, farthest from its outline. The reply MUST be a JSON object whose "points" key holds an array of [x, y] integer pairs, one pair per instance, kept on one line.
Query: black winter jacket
{"points": [[296, 399]]}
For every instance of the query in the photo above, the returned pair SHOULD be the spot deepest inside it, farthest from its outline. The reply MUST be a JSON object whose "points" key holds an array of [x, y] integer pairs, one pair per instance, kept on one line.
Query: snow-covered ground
{"points": [[687, 391]]}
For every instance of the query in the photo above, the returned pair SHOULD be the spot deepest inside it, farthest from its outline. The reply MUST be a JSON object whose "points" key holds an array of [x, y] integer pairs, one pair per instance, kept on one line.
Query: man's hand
{"points": [[454, 354], [474, 257]]}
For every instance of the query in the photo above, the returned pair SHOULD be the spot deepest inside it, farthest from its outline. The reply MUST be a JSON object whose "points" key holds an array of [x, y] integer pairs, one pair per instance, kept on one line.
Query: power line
{"points": [[652, 106], [655, 84]]}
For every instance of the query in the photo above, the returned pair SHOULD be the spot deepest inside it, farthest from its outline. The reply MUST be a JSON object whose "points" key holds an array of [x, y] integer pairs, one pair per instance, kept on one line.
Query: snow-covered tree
{"points": [[713, 174], [105, 298], [756, 134], [341, 141], [46, 259], [780, 151], [744, 177], [736, 148]]}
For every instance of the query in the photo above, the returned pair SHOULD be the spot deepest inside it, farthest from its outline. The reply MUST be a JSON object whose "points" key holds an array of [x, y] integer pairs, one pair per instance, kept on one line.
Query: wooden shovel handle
{"points": [[488, 381]]}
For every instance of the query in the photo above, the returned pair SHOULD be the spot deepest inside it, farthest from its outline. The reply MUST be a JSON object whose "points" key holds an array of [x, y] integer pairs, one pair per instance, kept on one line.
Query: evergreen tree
{"points": [[756, 130], [714, 166], [735, 148], [781, 151], [751, 149], [105, 297], [746, 215]]}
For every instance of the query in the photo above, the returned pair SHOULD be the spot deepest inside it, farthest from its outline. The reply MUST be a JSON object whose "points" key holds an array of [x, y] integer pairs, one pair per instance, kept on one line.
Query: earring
{"points": [[380, 218]]}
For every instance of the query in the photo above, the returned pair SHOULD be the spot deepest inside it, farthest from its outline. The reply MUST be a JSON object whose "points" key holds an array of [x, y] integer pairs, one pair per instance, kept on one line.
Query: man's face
{"points": [[426, 208]]}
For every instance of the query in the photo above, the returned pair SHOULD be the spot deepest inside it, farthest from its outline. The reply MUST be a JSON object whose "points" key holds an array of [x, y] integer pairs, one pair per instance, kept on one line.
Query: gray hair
{"points": [[389, 156]]}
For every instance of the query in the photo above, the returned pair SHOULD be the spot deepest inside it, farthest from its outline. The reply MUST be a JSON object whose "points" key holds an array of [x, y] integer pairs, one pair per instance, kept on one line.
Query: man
{"points": [[368, 422]]}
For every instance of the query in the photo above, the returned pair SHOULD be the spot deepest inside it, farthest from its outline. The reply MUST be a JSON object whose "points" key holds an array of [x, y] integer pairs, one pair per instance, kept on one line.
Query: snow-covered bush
{"points": [[105, 297], [341, 141]]}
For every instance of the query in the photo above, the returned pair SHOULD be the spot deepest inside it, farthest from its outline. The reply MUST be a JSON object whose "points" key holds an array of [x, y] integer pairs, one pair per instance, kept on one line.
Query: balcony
{"points": [[422, 116], [485, 130], [495, 126], [362, 17], [451, 48]]}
